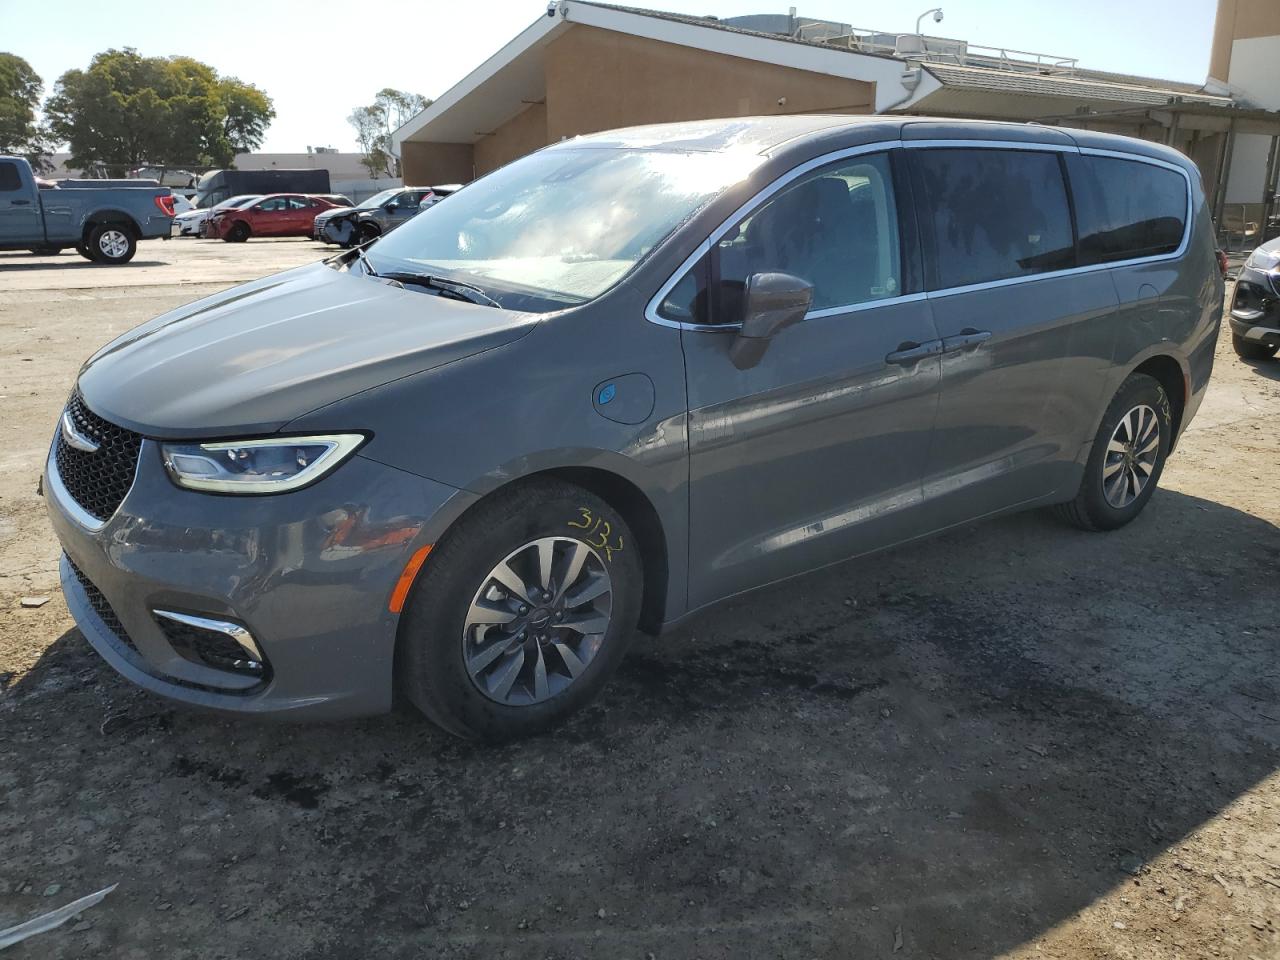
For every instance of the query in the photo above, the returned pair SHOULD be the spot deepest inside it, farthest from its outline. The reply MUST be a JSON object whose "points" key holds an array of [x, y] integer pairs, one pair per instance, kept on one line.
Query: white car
{"points": [[181, 204], [188, 224]]}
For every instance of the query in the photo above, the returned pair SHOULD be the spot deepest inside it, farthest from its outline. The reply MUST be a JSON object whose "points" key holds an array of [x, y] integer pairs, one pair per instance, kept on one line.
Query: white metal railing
{"points": [[914, 46]]}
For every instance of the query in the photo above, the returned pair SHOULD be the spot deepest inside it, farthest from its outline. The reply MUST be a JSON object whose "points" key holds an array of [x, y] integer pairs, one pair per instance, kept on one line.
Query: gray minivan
{"points": [[615, 382]]}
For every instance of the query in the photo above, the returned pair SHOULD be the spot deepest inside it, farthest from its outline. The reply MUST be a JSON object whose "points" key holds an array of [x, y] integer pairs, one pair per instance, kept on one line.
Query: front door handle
{"points": [[19, 203], [909, 353], [966, 339]]}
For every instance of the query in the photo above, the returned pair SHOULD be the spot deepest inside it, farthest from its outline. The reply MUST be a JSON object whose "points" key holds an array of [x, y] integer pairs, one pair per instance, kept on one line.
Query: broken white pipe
{"points": [[52, 919]]}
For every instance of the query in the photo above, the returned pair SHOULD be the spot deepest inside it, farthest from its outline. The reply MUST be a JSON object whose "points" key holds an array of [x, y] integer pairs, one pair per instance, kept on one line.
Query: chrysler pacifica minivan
{"points": [[614, 382]]}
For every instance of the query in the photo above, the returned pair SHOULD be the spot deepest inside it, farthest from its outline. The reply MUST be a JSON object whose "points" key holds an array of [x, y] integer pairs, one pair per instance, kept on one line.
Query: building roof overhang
{"points": [[514, 77]]}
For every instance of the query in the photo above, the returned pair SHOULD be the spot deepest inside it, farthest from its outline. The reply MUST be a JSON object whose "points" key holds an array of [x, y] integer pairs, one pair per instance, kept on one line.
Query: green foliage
{"points": [[127, 110], [375, 123], [20, 88]]}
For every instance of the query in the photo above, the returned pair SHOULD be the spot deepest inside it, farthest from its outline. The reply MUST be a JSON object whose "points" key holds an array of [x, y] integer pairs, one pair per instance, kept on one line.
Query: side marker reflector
{"points": [[401, 592]]}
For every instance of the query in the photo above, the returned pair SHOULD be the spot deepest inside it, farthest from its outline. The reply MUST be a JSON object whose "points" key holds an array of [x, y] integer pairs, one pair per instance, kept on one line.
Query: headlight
{"points": [[273, 465], [1264, 260]]}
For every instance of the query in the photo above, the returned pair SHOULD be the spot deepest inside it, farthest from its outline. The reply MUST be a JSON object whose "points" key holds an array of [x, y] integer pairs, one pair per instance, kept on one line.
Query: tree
{"points": [[126, 111], [375, 123], [20, 89]]}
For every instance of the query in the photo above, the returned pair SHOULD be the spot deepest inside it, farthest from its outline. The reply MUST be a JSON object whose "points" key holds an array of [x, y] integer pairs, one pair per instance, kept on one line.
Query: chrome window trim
{"points": [[1039, 146]]}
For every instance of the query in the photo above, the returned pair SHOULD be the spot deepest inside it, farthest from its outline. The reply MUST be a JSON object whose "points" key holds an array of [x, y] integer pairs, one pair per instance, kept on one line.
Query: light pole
{"points": [[937, 17]]}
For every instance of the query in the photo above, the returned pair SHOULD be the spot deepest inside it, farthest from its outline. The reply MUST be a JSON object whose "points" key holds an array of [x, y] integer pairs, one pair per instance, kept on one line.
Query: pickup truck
{"points": [[104, 224]]}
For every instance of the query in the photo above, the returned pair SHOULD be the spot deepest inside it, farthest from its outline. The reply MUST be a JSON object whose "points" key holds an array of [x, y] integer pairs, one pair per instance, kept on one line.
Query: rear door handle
{"points": [[19, 203], [966, 339], [910, 353]]}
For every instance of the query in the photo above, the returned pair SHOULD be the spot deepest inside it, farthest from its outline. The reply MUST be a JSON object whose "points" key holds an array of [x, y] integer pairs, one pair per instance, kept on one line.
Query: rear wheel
{"points": [[112, 243], [1127, 457], [522, 612], [238, 233], [84, 251], [1251, 349]]}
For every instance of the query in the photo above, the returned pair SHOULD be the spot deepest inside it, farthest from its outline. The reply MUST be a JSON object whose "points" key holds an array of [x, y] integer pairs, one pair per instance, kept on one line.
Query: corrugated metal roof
{"points": [[1075, 88]]}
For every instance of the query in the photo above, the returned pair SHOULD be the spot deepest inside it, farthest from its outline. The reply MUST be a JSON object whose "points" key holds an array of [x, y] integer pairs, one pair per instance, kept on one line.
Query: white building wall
{"points": [[1255, 73]]}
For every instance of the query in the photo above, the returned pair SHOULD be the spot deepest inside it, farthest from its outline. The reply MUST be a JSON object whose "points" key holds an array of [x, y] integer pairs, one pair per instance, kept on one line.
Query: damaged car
{"points": [[380, 214]]}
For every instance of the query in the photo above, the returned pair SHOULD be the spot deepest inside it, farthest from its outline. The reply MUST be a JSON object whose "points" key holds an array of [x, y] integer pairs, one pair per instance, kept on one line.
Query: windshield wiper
{"points": [[464, 291]]}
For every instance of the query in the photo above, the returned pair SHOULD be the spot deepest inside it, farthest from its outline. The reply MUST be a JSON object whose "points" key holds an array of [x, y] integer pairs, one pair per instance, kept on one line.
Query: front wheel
{"points": [[1251, 349], [521, 613], [238, 233], [84, 251], [112, 243], [1127, 457]]}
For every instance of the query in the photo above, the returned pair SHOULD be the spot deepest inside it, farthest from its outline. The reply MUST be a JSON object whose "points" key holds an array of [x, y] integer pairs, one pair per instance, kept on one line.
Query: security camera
{"points": [[937, 16], [551, 8]]}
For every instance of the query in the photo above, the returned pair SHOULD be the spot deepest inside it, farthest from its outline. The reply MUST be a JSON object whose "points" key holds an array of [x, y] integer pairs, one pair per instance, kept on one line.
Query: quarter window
{"points": [[994, 214], [1126, 208], [837, 228]]}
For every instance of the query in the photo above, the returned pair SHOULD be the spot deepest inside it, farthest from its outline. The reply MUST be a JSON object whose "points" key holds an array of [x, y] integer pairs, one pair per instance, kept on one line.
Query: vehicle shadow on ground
{"points": [[1265, 368], [953, 747], [78, 263]]}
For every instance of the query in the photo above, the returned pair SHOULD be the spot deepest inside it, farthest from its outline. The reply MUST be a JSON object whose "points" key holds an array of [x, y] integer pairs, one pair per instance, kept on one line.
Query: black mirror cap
{"points": [[771, 303]]}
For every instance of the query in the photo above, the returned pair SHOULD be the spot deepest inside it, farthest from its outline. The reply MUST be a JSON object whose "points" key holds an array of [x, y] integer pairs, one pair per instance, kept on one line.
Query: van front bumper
{"points": [[307, 575]]}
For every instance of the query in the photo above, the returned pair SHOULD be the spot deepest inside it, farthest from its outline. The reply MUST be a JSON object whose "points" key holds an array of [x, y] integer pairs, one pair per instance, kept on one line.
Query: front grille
{"points": [[97, 481], [102, 608]]}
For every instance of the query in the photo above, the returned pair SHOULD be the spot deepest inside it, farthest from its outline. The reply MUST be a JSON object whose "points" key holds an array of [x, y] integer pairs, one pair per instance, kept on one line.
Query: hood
{"points": [[334, 212], [252, 358]]}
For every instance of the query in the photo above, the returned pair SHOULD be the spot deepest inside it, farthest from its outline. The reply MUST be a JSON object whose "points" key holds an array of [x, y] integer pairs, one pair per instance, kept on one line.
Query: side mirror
{"points": [[393, 206], [771, 303]]}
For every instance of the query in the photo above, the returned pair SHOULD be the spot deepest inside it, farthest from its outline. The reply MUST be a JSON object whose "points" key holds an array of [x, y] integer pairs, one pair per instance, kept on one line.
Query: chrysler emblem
{"points": [[75, 438]]}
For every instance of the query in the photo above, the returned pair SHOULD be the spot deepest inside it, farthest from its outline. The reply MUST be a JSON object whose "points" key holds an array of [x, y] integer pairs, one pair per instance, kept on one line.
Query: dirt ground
{"points": [[1017, 740]]}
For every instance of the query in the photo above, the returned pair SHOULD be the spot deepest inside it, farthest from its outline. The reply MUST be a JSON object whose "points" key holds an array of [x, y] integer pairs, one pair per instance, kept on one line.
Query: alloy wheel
{"points": [[113, 244], [1131, 456], [537, 621]]}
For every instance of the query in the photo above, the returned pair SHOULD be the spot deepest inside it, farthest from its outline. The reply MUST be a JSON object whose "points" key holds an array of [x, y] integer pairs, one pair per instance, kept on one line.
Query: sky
{"points": [[318, 59]]}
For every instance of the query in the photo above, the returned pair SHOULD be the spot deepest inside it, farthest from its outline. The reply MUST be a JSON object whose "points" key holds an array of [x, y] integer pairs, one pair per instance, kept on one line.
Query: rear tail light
{"points": [[1222, 261], [165, 204]]}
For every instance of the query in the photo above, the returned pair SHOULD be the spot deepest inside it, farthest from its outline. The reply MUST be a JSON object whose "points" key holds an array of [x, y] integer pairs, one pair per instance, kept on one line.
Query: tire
{"points": [[85, 252], [431, 666], [1250, 349], [238, 233], [367, 232], [1100, 504], [112, 243]]}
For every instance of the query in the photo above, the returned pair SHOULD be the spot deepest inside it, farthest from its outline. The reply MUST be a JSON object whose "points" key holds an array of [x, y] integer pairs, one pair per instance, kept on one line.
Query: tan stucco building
{"points": [[589, 66]]}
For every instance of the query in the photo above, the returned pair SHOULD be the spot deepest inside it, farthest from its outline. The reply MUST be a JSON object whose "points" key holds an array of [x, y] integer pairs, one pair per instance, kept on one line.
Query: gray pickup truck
{"points": [[104, 224]]}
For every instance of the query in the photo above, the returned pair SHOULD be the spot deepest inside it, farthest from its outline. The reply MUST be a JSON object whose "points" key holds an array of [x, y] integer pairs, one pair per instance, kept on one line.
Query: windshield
{"points": [[560, 226], [378, 199]]}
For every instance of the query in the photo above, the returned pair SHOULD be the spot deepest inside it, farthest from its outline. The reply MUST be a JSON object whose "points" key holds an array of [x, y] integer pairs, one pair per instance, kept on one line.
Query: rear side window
{"points": [[9, 179], [1126, 208], [994, 214]]}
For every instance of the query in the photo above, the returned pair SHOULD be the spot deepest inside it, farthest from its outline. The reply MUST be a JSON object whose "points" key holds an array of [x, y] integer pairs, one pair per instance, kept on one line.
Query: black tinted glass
{"points": [[1126, 208], [994, 214], [9, 179]]}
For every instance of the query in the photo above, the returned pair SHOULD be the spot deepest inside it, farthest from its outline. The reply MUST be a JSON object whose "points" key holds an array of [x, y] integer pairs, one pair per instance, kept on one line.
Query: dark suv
{"points": [[1255, 305], [615, 382]]}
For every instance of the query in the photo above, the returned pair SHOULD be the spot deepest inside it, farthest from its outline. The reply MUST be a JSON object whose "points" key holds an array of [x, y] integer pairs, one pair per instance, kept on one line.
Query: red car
{"points": [[275, 215]]}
